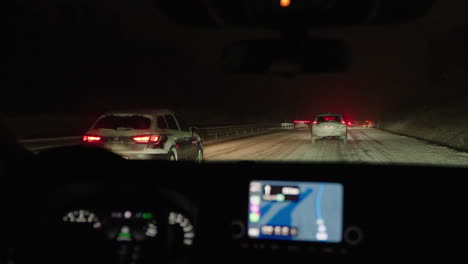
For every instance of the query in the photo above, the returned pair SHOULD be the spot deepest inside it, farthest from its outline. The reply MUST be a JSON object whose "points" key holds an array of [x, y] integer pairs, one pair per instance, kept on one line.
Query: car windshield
{"points": [[405, 89]]}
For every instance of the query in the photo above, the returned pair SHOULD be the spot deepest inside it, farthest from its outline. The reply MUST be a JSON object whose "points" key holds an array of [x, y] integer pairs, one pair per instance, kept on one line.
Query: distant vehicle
{"points": [[351, 124], [329, 125], [366, 123], [146, 134], [360, 123], [302, 124], [370, 123]]}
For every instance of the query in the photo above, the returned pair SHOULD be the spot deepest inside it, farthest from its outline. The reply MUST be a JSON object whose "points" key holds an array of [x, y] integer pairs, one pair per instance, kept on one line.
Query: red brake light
{"points": [[146, 139], [343, 122], [315, 122], [91, 139], [154, 139], [141, 139], [302, 121]]}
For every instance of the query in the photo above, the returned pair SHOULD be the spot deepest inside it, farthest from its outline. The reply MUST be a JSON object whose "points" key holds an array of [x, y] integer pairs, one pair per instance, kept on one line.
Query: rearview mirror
{"points": [[276, 14], [287, 56]]}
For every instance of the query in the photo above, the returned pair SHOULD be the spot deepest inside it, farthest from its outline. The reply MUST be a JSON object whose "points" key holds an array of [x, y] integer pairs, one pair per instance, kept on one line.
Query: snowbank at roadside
{"points": [[445, 124]]}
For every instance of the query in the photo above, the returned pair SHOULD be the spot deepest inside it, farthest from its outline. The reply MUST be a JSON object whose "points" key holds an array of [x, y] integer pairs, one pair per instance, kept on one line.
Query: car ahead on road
{"points": [[365, 123], [301, 124], [329, 125], [146, 134], [370, 123]]}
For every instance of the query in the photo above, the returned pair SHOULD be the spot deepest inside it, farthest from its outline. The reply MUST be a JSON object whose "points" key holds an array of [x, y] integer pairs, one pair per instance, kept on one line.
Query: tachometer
{"points": [[82, 217]]}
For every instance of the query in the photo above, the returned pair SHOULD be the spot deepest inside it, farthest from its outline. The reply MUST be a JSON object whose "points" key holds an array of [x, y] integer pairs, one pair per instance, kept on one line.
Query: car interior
{"points": [[77, 204]]}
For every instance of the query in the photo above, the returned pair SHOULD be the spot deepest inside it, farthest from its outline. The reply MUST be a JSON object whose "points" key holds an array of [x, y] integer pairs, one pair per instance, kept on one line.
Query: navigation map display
{"points": [[290, 210]]}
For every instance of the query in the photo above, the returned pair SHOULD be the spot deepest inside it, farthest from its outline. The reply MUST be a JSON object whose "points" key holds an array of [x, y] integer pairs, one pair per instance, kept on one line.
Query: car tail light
{"points": [[145, 139], [343, 122], [314, 123], [91, 139]]}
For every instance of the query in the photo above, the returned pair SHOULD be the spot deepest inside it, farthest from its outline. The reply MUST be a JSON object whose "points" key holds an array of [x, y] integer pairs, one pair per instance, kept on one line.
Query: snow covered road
{"points": [[365, 145]]}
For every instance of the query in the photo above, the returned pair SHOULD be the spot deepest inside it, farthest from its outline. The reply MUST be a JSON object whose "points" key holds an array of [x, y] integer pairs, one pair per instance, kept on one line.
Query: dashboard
{"points": [[146, 212]]}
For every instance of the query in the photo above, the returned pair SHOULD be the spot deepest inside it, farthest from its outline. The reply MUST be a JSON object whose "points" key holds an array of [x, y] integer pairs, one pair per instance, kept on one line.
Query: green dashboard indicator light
{"points": [[147, 215], [280, 197], [254, 217], [125, 235]]}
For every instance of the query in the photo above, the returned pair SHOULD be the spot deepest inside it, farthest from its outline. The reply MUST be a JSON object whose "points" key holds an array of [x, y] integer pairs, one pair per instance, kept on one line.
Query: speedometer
{"points": [[82, 217]]}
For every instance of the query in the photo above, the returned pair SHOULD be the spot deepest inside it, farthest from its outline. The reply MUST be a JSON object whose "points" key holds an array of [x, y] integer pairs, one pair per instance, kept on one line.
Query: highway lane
{"points": [[365, 145]]}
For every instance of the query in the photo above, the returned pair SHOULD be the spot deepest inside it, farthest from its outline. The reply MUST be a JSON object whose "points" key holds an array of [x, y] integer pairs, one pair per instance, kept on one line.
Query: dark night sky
{"points": [[72, 57]]}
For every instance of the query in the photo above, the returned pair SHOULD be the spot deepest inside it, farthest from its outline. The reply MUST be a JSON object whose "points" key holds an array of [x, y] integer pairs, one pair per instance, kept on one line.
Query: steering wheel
{"points": [[101, 221]]}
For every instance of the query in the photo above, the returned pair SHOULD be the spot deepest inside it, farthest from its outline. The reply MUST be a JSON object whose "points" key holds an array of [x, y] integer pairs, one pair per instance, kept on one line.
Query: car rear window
{"points": [[131, 122], [322, 119]]}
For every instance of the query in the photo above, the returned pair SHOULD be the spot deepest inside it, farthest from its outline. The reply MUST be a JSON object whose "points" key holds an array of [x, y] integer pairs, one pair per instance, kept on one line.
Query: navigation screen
{"points": [[302, 211]]}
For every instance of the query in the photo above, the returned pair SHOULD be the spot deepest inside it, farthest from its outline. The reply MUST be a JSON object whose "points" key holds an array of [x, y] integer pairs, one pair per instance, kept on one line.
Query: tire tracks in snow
{"points": [[369, 149], [364, 146], [271, 146]]}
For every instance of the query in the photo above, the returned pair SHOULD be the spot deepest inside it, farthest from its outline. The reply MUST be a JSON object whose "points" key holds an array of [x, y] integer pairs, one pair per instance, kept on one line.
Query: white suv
{"points": [[146, 134], [329, 125]]}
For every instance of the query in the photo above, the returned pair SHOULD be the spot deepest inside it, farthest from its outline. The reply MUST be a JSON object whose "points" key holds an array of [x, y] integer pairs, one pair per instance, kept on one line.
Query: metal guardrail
{"points": [[287, 125], [216, 133], [55, 139], [208, 134], [39, 144]]}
